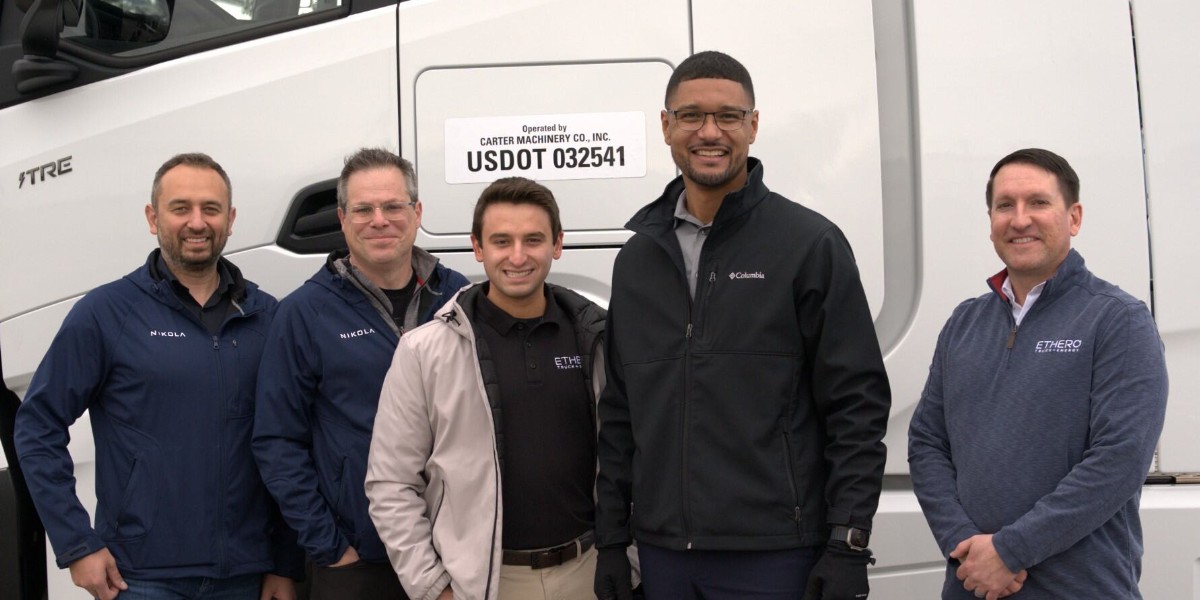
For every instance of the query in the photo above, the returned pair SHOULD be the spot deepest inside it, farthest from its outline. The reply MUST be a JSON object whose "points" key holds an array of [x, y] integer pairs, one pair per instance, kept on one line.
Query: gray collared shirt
{"points": [[691, 234]]}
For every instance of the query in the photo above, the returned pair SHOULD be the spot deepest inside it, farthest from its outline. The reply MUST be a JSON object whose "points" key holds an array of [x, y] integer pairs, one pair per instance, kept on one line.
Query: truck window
{"points": [[132, 28]]}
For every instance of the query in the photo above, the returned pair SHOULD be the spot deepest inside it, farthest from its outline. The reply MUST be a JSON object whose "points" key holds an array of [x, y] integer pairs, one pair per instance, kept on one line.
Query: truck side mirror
{"points": [[40, 29], [127, 23]]}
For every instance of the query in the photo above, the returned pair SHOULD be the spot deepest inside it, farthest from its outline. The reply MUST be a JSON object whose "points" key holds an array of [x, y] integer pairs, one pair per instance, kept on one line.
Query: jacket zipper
{"points": [[221, 475], [222, 543], [683, 421], [698, 315], [216, 345], [487, 590]]}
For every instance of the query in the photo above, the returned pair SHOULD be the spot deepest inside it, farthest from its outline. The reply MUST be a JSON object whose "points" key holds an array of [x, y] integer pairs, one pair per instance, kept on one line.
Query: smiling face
{"points": [[380, 247], [711, 157], [1032, 225], [192, 218], [516, 248]]}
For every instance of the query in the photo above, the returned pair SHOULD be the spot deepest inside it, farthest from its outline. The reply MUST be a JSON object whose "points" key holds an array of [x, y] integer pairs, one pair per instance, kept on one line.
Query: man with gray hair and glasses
{"points": [[323, 367]]}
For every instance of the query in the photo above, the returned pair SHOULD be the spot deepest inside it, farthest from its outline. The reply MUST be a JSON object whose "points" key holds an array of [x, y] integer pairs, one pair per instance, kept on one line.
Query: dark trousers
{"points": [[725, 575], [358, 581]]}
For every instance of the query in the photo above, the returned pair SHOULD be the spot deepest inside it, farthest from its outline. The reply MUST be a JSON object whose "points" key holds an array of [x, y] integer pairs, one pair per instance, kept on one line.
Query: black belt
{"points": [[550, 557]]}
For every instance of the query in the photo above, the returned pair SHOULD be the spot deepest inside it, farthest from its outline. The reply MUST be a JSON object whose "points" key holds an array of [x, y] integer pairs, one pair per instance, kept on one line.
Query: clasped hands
{"points": [[983, 572]]}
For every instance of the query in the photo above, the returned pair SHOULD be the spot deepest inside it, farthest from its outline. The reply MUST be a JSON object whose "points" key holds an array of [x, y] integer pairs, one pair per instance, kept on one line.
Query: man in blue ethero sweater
{"points": [[1043, 406]]}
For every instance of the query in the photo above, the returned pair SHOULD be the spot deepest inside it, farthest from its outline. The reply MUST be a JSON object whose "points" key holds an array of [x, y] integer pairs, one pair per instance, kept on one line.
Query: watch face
{"points": [[859, 538]]}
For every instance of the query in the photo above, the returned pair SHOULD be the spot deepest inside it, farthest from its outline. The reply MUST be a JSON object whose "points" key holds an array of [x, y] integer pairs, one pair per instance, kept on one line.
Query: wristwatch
{"points": [[857, 539]]}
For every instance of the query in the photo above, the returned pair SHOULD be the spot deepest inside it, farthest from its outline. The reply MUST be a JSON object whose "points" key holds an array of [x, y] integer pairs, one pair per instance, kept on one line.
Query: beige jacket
{"points": [[433, 475]]}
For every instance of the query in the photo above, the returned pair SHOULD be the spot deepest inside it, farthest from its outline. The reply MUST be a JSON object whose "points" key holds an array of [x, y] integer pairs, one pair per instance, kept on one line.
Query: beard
{"points": [[707, 178], [175, 256]]}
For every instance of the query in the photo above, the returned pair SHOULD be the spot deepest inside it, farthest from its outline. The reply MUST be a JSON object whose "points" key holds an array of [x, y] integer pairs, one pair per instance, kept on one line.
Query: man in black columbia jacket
{"points": [[742, 424]]}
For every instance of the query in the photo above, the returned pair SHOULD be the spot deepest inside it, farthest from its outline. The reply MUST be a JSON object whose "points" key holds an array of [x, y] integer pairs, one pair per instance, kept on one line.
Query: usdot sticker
{"points": [[546, 147]]}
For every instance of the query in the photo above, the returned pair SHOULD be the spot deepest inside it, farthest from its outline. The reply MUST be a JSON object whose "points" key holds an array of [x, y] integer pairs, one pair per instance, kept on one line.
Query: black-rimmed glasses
{"points": [[693, 120]]}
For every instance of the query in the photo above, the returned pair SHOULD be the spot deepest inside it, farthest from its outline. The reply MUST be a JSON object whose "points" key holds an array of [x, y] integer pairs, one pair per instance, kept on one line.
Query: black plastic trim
{"points": [[23, 543], [311, 225]]}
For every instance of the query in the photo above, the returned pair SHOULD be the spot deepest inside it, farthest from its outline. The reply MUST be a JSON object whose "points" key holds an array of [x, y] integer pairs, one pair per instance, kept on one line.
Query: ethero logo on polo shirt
{"points": [[1058, 346], [156, 333], [744, 275], [356, 333], [568, 362]]}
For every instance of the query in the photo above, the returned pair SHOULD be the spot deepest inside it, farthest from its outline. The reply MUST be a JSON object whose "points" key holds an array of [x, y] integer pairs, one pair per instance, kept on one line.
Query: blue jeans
{"points": [[242, 587]]}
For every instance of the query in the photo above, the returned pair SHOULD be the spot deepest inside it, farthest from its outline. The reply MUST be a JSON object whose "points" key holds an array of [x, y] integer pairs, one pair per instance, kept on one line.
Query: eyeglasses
{"points": [[693, 120], [392, 211]]}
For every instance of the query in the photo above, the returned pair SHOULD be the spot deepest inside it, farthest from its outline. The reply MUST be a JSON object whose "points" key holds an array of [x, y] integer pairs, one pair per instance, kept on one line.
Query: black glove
{"points": [[613, 579], [840, 574]]}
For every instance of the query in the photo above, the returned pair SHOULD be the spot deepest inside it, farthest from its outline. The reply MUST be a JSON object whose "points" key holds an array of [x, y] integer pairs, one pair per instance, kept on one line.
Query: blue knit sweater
{"points": [[1042, 434]]}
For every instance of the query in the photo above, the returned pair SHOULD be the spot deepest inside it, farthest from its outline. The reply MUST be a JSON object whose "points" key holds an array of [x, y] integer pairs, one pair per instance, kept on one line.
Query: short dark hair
{"points": [[709, 64], [516, 190], [197, 160], [1068, 181], [375, 158]]}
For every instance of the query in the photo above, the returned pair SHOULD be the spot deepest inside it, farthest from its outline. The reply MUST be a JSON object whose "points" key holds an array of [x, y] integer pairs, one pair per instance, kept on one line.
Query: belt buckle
{"points": [[548, 558]]}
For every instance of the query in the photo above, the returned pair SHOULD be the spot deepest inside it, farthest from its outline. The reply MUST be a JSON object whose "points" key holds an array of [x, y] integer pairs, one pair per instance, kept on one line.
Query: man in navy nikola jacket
{"points": [[164, 360], [326, 357]]}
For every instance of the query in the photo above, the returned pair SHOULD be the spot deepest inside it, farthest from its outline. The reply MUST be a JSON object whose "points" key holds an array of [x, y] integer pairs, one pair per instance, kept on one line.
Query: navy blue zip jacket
{"points": [[171, 407], [327, 353]]}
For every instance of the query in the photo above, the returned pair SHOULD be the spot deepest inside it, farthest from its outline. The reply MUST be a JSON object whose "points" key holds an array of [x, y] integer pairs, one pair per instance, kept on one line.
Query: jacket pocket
{"points": [[436, 510], [797, 513], [342, 503], [242, 375], [134, 515]]}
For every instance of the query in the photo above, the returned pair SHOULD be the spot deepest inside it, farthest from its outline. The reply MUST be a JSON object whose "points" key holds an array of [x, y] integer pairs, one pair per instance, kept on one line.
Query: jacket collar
{"points": [[458, 313], [151, 280], [658, 218], [1070, 271]]}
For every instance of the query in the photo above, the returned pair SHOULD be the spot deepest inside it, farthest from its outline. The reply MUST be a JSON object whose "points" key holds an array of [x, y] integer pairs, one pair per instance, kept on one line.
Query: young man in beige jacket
{"points": [[482, 466]]}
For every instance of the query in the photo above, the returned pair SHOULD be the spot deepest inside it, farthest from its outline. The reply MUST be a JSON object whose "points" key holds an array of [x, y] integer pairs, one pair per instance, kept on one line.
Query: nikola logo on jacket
{"points": [[357, 333], [746, 275], [173, 334]]}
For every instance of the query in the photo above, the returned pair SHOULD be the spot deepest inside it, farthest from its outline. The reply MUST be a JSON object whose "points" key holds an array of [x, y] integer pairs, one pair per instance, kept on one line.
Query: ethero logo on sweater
{"points": [[568, 362], [1058, 346], [744, 275]]}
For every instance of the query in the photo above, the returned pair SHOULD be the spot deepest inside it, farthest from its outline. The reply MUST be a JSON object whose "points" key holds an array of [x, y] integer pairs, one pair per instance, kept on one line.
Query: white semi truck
{"points": [[885, 116]]}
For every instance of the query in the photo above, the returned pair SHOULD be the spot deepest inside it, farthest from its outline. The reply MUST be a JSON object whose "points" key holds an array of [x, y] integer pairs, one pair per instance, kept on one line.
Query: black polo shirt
{"points": [[549, 436], [218, 306]]}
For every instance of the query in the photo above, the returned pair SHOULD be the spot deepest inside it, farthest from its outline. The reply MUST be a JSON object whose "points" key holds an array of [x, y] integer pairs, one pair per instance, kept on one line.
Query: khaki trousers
{"points": [[572, 580]]}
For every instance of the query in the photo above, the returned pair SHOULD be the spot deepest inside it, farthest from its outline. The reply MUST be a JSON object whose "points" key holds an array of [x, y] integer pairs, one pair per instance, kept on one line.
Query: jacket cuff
{"points": [[1011, 550], [439, 584], [835, 516], [90, 543], [958, 536], [326, 557]]}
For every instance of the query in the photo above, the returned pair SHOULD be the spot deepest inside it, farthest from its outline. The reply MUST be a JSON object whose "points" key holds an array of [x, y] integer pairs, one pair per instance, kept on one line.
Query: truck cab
{"points": [[884, 116]]}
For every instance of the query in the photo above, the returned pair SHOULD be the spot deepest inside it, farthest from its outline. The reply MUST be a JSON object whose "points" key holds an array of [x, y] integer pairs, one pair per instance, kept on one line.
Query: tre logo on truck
{"points": [[61, 166]]}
